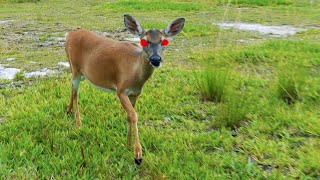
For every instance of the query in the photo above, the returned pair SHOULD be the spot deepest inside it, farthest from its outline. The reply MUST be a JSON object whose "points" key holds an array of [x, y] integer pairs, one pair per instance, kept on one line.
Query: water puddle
{"points": [[10, 59], [41, 72], [64, 64], [5, 22], [281, 30], [8, 73]]}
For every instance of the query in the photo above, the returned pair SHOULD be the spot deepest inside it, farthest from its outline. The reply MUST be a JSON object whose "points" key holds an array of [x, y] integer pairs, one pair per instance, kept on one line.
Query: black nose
{"points": [[155, 60]]}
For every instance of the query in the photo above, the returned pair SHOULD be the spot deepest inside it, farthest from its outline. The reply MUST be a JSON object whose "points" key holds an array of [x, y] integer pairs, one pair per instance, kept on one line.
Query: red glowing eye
{"points": [[144, 42], [164, 42]]}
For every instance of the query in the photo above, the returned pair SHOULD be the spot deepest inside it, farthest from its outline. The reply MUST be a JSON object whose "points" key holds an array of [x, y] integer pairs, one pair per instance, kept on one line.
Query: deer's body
{"points": [[122, 67], [108, 64]]}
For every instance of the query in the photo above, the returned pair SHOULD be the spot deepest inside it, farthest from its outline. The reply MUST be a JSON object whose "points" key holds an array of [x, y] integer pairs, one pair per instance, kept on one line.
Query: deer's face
{"points": [[154, 41]]}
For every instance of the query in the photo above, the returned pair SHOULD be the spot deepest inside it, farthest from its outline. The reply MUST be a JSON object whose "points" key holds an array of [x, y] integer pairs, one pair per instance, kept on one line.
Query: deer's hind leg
{"points": [[75, 84]]}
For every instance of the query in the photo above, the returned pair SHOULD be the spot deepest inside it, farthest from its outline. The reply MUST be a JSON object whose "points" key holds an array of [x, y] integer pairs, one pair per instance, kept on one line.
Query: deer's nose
{"points": [[155, 60]]}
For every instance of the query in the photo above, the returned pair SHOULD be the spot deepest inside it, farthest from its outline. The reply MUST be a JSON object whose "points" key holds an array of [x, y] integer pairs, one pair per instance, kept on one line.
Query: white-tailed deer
{"points": [[117, 66]]}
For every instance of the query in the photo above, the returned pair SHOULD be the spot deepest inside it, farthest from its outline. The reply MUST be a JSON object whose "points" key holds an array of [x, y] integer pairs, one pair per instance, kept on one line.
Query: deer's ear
{"points": [[174, 27], [132, 25]]}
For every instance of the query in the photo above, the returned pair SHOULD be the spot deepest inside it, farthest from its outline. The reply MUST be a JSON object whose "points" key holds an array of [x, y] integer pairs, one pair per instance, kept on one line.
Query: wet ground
{"points": [[277, 30]]}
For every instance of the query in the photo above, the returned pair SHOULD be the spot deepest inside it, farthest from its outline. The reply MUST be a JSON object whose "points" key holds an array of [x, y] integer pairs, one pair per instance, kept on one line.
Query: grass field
{"points": [[262, 122]]}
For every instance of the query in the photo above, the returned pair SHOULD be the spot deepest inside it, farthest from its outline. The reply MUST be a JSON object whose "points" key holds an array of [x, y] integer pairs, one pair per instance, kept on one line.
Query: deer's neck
{"points": [[146, 67]]}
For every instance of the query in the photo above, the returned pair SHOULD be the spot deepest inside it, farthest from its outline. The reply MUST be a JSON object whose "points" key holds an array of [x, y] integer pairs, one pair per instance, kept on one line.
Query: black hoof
{"points": [[69, 113], [138, 161]]}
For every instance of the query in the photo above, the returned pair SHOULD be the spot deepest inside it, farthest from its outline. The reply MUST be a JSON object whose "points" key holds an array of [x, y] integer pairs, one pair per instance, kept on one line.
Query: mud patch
{"points": [[281, 30]]}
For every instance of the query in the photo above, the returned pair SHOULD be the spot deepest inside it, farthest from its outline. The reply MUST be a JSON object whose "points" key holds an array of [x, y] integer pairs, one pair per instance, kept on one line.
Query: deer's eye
{"points": [[143, 42], [164, 42]]}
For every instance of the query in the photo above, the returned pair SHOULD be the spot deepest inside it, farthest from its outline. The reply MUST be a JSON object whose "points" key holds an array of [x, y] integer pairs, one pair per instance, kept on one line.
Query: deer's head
{"points": [[154, 41]]}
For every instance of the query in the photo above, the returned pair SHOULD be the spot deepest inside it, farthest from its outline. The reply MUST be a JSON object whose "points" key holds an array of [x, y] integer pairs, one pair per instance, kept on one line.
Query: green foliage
{"points": [[232, 112], [139, 5], [19, 76], [212, 84], [290, 83], [22, 1], [257, 2], [271, 51]]}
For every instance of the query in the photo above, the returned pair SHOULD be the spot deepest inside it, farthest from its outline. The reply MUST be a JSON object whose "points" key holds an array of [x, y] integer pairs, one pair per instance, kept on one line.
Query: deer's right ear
{"points": [[132, 25]]}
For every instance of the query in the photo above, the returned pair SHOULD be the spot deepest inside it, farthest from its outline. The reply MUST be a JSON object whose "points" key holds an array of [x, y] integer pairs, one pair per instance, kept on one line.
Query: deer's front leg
{"points": [[133, 100], [133, 120]]}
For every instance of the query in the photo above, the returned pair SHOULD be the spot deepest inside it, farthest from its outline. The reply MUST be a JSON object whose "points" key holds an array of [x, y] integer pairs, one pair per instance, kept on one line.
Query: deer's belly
{"points": [[128, 91], [111, 88]]}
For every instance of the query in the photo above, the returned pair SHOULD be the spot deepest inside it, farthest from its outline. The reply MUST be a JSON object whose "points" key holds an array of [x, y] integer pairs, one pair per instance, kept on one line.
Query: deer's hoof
{"points": [[138, 161], [69, 113]]}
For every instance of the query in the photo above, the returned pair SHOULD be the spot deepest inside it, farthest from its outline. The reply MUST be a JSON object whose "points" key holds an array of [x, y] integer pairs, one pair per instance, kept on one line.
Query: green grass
{"points": [[257, 2], [212, 84], [183, 137], [233, 112], [21, 1], [151, 6], [290, 84]]}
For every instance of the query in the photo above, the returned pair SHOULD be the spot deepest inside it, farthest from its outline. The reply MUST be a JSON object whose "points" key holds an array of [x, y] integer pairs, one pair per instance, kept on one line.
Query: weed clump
{"points": [[232, 112], [289, 85], [19, 76], [212, 84]]}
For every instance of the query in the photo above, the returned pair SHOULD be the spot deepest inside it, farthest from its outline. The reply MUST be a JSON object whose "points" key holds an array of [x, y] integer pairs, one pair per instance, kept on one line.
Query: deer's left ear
{"points": [[174, 27], [132, 25]]}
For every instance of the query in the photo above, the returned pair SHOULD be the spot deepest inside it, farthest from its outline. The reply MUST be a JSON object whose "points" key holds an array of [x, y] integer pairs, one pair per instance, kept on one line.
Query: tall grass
{"points": [[212, 84], [232, 112], [290, 84]]}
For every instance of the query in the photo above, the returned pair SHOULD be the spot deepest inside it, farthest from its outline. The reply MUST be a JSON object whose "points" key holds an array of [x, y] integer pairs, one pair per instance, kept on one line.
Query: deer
{"points": [[118, 66]]}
